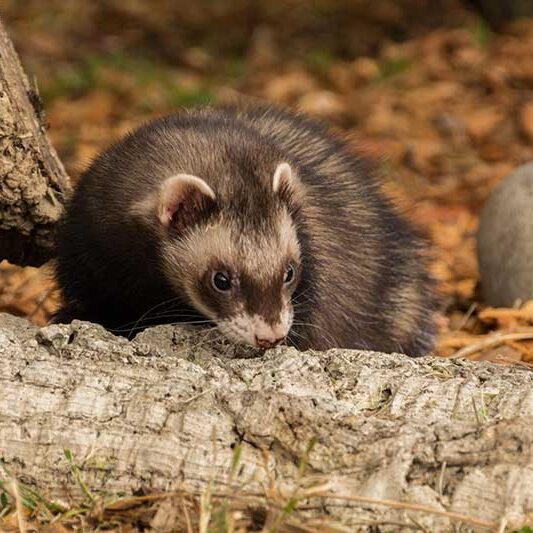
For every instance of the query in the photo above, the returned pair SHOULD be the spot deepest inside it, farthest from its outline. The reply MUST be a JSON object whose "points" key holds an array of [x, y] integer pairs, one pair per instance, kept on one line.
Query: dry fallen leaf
{"points": [[446, 118]]}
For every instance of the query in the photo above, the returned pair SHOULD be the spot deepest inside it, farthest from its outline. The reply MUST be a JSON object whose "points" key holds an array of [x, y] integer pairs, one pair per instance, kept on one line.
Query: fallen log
{"points": [[166, 411]]}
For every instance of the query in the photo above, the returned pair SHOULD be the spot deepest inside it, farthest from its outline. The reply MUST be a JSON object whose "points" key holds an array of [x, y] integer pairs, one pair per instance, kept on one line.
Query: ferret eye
{"points": [[289, 274], [221, 281]]}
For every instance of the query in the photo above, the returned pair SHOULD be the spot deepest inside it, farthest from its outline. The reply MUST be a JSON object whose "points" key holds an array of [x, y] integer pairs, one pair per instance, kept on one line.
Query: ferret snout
{"points": [[267, 342], [255, 331], [269, 336]]}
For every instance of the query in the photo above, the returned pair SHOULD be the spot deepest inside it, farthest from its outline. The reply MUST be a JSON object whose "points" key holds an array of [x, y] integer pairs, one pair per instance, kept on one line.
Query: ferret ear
{"points": [[182, 198], [282, 177], [180, 201], [288, 187]]}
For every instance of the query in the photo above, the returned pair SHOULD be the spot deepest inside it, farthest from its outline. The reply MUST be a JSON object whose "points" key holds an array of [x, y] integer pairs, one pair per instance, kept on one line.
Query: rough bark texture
{"points": [[33, 182], [165, 410]]}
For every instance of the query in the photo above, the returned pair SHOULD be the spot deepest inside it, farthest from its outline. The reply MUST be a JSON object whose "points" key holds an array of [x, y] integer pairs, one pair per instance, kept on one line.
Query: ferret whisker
{"points": [[304, 338], [146, 315], [178, 317], [136, 324], [299, 305], [322, 331], [179, 323], [301, 295], [296, 334]]}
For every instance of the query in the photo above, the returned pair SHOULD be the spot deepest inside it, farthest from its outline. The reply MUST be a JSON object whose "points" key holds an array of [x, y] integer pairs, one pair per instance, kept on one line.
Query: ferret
{"points": [[253, 219]]}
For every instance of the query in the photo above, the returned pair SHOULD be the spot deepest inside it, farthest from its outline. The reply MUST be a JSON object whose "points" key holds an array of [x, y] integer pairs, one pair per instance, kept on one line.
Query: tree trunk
{"points": [[165, 411], [33, 182]]}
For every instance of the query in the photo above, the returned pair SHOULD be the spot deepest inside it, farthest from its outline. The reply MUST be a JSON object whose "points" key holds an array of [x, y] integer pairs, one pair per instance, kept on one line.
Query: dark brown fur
{"points": [[362, 282]]}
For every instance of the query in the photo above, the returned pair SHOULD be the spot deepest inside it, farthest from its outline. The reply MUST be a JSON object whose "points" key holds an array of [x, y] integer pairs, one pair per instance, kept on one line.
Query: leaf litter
{"points": [[446, 114]]}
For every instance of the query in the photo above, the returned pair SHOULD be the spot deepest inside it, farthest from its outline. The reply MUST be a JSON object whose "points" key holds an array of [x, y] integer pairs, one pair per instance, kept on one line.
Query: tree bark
{"points": [[33, 182], [165, 411]]}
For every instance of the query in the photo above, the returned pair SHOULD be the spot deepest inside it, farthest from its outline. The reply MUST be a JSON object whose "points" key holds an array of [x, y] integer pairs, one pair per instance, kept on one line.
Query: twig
{"points": [[491, 313], [524, 364], [394, 504], [410, 506], [468, 314], [521, 348], [186, 515], [502, 525], [493, 340]]}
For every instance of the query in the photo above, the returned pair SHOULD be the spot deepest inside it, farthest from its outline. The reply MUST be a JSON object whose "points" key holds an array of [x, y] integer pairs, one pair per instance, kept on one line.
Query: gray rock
{"points": [[505, 241]]}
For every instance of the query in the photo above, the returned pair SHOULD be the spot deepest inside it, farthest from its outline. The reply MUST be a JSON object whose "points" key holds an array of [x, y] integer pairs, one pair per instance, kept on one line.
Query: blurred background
{"points": [[439, 92]]}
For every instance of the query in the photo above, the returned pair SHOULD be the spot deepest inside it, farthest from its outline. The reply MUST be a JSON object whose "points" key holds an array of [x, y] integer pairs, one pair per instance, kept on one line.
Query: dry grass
{"points": [[273, 511]]}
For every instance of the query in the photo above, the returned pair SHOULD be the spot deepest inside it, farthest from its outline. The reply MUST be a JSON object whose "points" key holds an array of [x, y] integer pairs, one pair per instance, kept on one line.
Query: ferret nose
{"points": [[264, 342]]}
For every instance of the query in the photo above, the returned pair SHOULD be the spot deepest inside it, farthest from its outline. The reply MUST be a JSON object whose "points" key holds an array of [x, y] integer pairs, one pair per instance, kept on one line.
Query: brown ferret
{"points": [[254, 219]]}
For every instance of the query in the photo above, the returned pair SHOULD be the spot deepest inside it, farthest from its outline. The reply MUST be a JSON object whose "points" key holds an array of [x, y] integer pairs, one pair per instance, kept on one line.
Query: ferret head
{"points": [[233, 253]]}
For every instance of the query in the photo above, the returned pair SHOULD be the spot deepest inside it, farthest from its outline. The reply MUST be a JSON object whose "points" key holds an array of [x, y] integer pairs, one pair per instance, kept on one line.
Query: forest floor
{"points": [[446, 114]]}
